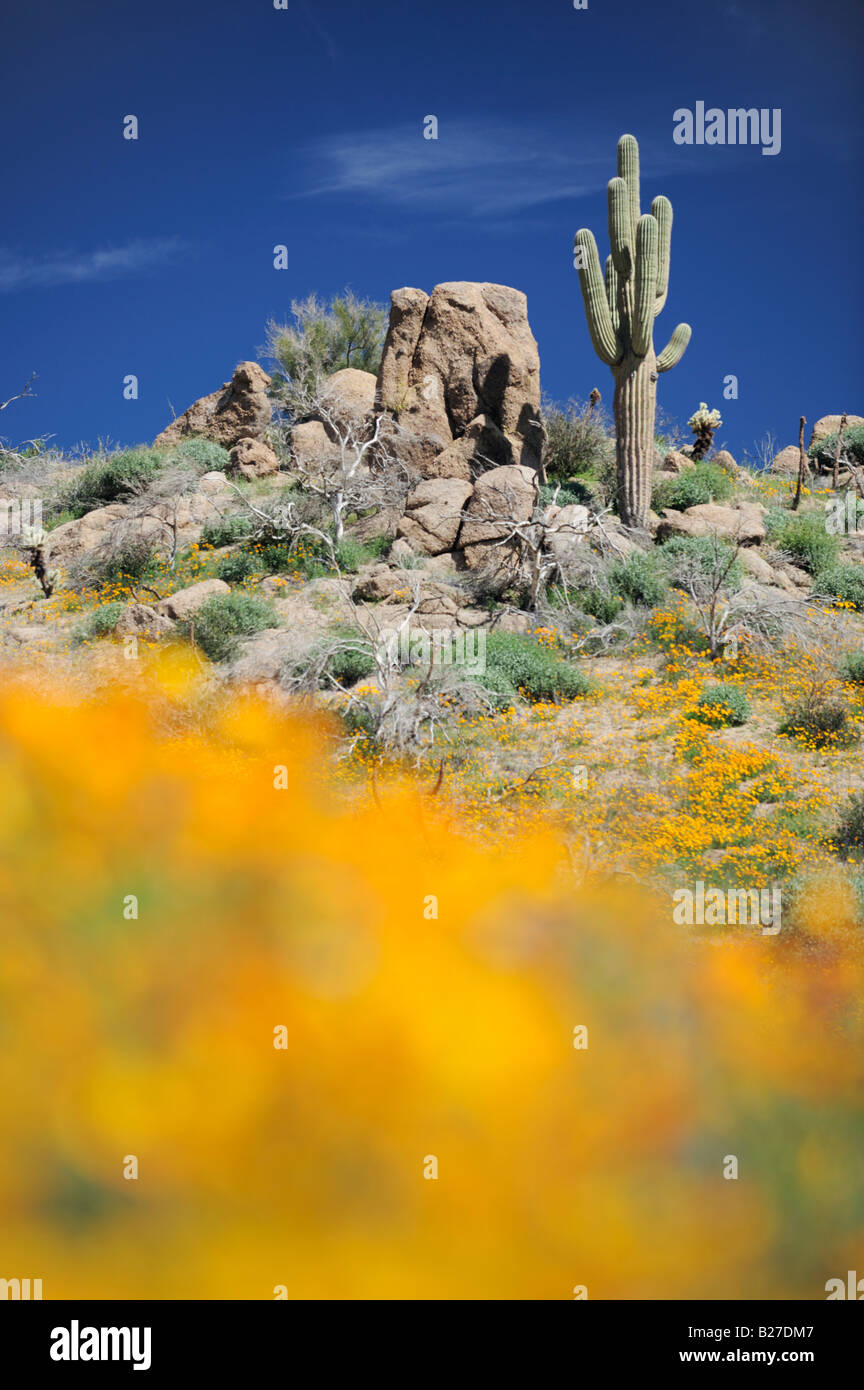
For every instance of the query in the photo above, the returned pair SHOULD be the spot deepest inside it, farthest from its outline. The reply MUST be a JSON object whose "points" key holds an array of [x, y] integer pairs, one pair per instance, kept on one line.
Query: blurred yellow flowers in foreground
{"points": [[286, 1001]]}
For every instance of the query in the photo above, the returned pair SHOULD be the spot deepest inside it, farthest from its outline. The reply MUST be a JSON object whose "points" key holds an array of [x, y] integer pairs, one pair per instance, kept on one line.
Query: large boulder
{"points": [[142, 620], [310, 445], [239, 408], [349, 396], [433, 514], [675, 462], [482, 446], [186, 602], [118, 525], [502, 498], [569, 526], [407, 309], [74, 539], [787, 461], [830, 424], [464, 352], [252, 458], [743, 523]]}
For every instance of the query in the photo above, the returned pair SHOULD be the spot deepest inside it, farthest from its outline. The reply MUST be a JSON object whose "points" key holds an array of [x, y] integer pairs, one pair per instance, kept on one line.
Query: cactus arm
{"points": [[620, 239], [661, 209], [674, 349], [628, 170], [646, 284], [600, 326], [612, 283]]}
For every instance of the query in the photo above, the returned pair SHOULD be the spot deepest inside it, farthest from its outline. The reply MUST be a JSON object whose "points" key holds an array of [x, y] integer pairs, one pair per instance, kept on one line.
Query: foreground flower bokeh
{"points": [[407, 1036]]}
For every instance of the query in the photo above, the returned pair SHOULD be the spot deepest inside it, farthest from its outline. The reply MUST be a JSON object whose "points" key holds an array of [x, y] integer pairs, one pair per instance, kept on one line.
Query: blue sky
{"points": [[304, 126]]}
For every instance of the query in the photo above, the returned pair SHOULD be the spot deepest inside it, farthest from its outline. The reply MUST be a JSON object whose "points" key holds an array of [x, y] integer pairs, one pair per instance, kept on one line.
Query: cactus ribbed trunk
{"points": [[620, 307], [635, 410]]}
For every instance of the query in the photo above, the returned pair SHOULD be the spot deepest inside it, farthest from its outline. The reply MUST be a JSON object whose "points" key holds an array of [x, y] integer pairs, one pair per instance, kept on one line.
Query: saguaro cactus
{"points": [[620, 309]]}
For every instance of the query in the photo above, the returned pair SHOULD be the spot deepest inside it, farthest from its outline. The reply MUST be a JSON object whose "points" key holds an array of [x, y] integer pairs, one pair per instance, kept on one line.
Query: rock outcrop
{"points": [[433, 514], [459, 365], [252, 458], [239, 409], [830, 424], [743, 523]]}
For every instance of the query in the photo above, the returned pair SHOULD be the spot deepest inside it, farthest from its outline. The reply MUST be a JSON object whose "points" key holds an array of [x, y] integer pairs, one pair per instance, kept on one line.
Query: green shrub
{"points": [[598, 603], [496, 683], [351, 554], [227, 530], [577, 442], [721, 706], [220, 622], [852, 667], [852, 447], [849, 835], [350, 664], [237, 567], [574, 492], [378, 546], [541, 674], [277, 558], [111, 480], [807, 541], [774, 519], [819, 722], [844, 584], [100, 622], [323, 339], [134, 559], [641, 578], [701, 555], [207, 456], [704, 482]]}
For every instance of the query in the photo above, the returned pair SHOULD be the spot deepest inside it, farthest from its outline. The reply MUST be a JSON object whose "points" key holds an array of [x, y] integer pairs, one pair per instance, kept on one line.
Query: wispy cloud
{"points": [[473, 168], [18, 272]]}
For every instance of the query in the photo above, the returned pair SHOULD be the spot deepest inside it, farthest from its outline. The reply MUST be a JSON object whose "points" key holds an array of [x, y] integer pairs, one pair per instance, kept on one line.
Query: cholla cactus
{"points": [[32, 542], [620, 311], [703, 423]]}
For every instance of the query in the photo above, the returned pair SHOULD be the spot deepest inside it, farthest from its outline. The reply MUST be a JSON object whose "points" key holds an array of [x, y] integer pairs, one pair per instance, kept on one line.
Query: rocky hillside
{"points": [[435, 557]]}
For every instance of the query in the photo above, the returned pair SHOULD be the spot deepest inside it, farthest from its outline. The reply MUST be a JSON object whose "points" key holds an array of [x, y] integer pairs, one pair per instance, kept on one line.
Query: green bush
{"points": [[849, 835], [641, 578], [535, 670], [598, 603], [99, 623], [350, 664], [378, 546], [496, 683], [351, 554], [111, 480], [704, 482], [577, 442], [220, 623], [134, 559], [227, 530], [852, 667], [721, 706], [323, 339], [853, 447], [806, 540], [701, 555], [237, 567], [566, 496], [207, 456], [819, 722], [844, 584]]}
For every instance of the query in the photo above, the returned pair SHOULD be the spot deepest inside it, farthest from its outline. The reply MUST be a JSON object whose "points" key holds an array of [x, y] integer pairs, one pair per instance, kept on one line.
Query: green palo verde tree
{"points": [[620, 309]]}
